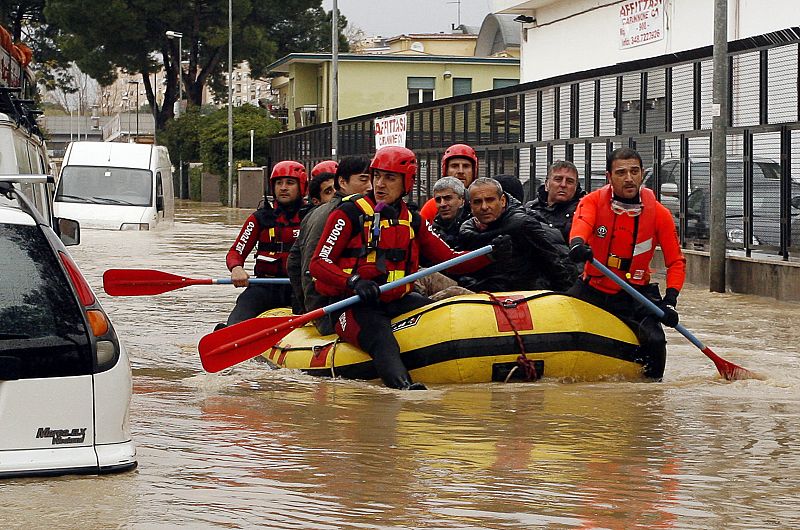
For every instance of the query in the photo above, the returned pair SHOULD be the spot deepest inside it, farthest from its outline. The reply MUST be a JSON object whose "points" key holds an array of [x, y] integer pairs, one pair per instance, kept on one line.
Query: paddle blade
{"points": [[729, 370], [144, 282], [234, 344]]}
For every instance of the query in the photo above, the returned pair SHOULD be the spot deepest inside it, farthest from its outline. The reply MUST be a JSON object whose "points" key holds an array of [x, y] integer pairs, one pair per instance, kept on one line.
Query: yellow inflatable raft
{"points": [[478, 338]]}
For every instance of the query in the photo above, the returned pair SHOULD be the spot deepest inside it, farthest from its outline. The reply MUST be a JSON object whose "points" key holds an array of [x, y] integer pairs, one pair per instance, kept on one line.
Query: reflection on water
{"points": [[251, 446]]}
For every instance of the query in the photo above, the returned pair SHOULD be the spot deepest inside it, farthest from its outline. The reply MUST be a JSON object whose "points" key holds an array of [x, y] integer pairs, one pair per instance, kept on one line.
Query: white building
{"points": [[565, 36]]}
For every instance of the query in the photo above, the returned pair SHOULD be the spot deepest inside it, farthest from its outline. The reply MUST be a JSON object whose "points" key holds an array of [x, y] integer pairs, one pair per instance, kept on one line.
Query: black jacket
{"points": [[559, 215], [537, 261], [448, 232]]}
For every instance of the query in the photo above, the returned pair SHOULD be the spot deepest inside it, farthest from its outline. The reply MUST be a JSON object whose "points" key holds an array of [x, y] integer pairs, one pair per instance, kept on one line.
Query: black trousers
{"points": [[652, 341], [369, 327], [257, 298]]}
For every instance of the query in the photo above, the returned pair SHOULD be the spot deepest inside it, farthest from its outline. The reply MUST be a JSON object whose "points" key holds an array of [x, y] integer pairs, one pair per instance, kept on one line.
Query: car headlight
{"points": [[736, 235], [134, 226]]}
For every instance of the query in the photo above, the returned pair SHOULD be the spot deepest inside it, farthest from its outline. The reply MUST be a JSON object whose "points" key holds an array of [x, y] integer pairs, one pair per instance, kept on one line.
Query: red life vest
{"points": [[278, 233], [387, 256], [624, 244]]}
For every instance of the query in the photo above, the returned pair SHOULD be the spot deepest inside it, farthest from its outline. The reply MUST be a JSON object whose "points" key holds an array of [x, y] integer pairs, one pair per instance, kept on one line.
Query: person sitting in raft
{"points": [[373, 239], [321, 188], [448, 194], [557, 199], [459, 161], [351, 177], [620, 225], [271, 230], [536, 262]]}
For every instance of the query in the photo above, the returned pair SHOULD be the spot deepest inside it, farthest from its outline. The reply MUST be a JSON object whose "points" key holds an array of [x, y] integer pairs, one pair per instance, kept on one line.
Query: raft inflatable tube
{"points": [[477, 339]]}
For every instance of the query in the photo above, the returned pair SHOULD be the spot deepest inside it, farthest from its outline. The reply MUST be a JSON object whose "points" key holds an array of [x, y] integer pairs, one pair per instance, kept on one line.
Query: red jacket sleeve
{"points": [[429, 210], [436, 251], [584, 218], [245, 241], [330, 280], [667, 238]]}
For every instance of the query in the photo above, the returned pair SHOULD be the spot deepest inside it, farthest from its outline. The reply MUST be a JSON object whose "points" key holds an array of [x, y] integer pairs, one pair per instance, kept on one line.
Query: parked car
{"points": [[65, 378], [766, 199]]}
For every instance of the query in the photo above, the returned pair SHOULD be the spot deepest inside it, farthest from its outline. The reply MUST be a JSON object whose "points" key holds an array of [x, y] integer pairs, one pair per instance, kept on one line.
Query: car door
{"points": [[46, 362]]}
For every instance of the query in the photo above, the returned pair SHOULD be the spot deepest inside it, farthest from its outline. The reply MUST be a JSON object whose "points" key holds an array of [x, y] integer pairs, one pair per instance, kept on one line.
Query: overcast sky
{"points": [[394, 17]]}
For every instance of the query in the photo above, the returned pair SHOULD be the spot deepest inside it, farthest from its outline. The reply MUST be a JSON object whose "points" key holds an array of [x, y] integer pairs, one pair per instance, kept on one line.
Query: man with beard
{"points": [[271, 230]]}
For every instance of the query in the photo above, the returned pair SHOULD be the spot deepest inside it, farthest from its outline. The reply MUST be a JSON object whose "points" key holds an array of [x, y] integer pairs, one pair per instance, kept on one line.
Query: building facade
{"points": [[563, 36]]}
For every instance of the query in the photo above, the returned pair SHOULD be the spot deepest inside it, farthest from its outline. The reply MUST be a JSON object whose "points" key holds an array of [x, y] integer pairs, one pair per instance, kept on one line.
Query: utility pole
{"points": [[719, 156], [335, 80], [232, 188]]}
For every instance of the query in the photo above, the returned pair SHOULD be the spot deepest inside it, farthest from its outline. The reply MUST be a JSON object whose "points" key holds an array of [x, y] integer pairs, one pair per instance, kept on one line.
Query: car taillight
{"points": [[85, 293]]}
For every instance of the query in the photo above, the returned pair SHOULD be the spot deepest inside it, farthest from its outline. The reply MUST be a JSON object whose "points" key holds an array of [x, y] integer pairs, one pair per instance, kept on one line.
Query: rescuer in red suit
{"points": [[271, 230], [373, 239], [621, 224]]}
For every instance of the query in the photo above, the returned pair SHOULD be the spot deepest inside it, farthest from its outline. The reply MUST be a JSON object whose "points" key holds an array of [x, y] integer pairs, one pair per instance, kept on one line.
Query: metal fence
{"points": [[661, 106]]}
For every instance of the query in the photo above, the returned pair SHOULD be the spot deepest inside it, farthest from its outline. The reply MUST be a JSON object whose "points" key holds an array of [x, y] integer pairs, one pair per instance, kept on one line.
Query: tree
{"points": [[130, 34], [213, 137]]}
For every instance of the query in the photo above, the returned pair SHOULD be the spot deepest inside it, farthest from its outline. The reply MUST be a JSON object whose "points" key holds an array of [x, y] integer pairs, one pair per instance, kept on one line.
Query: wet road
{"points": [[251, 446]]}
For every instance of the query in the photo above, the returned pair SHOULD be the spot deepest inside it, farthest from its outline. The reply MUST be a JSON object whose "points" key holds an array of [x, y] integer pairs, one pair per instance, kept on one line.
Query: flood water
{"points": [[255, 447]]}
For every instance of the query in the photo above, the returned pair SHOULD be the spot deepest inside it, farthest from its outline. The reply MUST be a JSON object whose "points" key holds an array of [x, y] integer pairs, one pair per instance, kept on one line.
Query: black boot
{"points": [[408, 385]]}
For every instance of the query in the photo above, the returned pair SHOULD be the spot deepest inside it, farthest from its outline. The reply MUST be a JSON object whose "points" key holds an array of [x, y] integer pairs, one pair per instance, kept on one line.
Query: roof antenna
{"points": [[458, 2]]}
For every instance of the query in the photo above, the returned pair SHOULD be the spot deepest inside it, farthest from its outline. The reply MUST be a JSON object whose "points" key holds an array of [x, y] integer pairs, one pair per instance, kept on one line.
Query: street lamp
{"points": [[127, 106], [178, 35], [137, 107]]}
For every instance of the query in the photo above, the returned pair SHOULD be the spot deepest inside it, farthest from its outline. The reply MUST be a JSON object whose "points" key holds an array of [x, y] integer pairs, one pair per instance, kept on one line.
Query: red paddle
{"points": [[726, 369], [143, 282], [245, 340]]}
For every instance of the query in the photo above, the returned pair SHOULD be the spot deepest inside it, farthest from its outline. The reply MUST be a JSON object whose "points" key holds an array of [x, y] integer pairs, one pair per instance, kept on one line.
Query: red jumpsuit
{"points": [[350, 245]]}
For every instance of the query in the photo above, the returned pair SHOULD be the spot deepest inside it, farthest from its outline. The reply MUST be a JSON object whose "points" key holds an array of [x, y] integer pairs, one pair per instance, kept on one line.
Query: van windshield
{"points": [[105, 185]]}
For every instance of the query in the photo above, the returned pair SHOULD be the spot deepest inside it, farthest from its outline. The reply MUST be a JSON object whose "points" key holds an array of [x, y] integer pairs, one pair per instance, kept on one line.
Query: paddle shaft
{"points": [[727, 369], [279, 281], [217, 354], [645, 302]]}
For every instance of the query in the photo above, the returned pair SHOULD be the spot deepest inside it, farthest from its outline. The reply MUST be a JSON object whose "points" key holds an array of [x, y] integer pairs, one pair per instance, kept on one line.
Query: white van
{"points": [[116, 186]]}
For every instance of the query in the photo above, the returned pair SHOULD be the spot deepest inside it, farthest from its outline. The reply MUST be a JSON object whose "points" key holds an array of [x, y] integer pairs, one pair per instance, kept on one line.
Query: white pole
{"points": [[232, 189], [335, 80], [180, 76], [252, 137]]}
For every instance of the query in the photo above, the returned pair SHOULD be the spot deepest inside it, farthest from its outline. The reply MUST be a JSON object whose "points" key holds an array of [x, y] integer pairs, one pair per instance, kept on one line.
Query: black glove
{"points": [[579, 251], [367, 290], [468, 282], [667, 305], [502, 248]]}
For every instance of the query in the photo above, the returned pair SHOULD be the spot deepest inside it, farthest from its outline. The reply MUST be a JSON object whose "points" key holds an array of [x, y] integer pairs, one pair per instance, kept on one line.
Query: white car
{"points": [[65, 378]]}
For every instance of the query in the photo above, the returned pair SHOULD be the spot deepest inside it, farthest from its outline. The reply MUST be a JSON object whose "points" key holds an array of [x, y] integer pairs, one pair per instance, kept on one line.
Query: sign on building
{"points": [[390, 130], [640, 22]]}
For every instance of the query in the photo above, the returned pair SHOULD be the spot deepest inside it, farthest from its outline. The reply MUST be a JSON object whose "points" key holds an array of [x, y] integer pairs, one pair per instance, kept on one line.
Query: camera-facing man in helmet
{"points": [[271, 230], [374, 239]]}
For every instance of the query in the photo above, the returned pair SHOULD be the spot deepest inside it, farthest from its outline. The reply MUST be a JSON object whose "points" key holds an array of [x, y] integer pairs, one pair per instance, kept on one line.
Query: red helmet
{"points": [[397, 160], [326, 166], [290, 168], [460, 151]]}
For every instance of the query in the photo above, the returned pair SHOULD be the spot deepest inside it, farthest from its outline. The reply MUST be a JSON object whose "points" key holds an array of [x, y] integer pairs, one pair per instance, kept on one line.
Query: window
{"points": [[502, 83], [462, 85], [40, 320], [421, 89]]}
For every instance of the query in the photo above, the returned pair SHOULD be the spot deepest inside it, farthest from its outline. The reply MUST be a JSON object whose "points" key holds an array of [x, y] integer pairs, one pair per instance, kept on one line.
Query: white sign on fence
{"points": [[640, 22], [390, 130]]}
